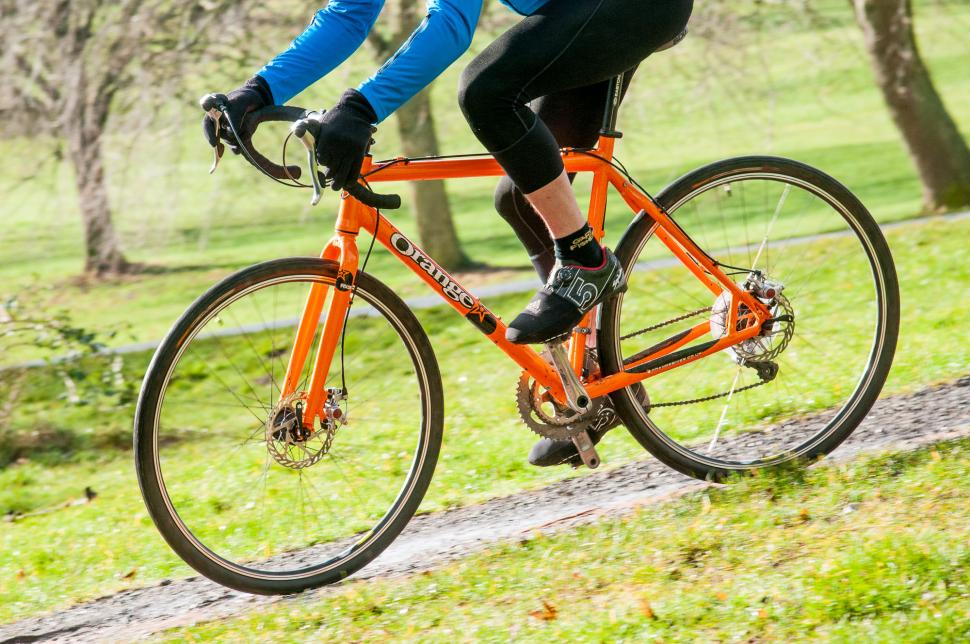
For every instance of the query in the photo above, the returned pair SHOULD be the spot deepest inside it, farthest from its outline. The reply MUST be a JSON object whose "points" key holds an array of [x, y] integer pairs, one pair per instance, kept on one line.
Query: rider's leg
{"points": [[527, 225], [567, 44], [573, 117]]}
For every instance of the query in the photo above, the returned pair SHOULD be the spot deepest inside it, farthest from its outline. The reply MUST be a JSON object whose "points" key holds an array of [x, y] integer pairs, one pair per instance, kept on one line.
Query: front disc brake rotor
{"points": [[289, 442]]}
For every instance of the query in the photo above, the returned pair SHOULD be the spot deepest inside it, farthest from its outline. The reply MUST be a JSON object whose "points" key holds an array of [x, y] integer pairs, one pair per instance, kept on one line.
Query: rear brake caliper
{"points": [[776, 332]]}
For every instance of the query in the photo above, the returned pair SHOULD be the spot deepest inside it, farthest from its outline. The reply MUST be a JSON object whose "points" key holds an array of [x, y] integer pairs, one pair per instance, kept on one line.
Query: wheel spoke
{"points": [[724, 412], [738, 417], [245, 491]]}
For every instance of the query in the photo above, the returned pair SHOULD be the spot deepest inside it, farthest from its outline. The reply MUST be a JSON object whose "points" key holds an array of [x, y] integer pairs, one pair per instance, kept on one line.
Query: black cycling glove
{"points": [[344, 135], [254, 95]]}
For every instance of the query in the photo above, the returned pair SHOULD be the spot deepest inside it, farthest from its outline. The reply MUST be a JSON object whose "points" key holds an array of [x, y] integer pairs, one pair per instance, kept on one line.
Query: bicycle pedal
{"points": [[587, 451]]}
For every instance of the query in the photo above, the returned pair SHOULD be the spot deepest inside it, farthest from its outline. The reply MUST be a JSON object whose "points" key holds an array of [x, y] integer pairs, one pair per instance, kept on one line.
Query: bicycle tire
{"points": [[364, 550], [638, 422]]}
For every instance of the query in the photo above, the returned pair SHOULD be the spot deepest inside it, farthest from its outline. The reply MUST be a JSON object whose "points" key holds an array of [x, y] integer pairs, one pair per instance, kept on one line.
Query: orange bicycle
{"points": [[290, 422]]}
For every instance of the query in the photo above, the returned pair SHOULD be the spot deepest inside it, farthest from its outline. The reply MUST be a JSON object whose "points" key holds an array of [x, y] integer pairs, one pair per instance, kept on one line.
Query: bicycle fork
{"points": [[342, 248]]}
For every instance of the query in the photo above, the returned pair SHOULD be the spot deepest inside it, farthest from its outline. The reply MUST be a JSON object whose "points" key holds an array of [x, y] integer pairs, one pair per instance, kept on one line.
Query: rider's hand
{"points": [[343, 138], [254, 95]]}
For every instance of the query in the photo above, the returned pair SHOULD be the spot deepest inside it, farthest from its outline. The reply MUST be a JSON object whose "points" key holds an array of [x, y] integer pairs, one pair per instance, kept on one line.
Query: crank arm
{"points": [[576, 396], [587, 451]]}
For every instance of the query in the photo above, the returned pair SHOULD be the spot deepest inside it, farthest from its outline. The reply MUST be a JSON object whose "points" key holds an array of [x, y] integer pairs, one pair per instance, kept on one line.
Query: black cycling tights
{"points": [[561, 60]]}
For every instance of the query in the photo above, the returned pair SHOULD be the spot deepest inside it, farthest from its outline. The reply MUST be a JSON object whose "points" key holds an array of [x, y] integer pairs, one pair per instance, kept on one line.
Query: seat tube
{"points": [[345, 242], [596, 215]]}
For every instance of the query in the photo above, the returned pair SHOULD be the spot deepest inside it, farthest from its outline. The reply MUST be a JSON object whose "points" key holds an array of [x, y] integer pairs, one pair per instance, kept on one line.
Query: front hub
{"points": [[296, 442]]}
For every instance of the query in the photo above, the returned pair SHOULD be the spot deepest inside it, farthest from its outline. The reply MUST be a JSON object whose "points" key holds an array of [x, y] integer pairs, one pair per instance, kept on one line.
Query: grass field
{"points": [[805, 94], [834, 556], [84, 549]]}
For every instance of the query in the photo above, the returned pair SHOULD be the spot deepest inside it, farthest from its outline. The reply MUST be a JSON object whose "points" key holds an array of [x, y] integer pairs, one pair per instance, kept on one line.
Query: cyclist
{"points": [[539, 86]]}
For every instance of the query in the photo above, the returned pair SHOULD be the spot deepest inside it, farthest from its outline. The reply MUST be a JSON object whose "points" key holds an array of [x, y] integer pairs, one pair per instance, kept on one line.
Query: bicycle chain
{"points": [[681, 318], [691, 401], [723, 394]]}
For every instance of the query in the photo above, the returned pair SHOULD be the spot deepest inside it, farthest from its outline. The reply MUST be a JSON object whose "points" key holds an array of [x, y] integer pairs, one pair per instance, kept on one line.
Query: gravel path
{"points": [[895, 423]]}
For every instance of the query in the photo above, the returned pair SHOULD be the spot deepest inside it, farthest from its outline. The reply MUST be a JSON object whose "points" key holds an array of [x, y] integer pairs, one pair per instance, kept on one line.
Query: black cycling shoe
{"points": [[547, 452], [570, 293]]}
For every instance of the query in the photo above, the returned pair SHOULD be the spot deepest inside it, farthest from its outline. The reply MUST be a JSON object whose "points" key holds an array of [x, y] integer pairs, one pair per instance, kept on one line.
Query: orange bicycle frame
{"points": [[354, 216]]}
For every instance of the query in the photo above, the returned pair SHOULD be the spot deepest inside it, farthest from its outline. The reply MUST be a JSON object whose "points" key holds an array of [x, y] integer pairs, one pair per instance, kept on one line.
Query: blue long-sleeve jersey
{"points": [[338, 30]]}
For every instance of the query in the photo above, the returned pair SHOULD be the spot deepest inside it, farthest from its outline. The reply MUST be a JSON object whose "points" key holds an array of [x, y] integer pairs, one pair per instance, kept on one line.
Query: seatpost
{"points": [[612, 107]]}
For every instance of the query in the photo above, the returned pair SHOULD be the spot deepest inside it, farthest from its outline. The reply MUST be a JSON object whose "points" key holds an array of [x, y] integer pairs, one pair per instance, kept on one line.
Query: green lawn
{"points": [[833, 556], [79, 551], [803, 94]]}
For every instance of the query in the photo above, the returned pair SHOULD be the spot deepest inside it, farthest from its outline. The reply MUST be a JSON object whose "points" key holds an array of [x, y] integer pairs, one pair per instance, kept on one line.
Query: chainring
{"points": [[529, 400], [563, 424]]}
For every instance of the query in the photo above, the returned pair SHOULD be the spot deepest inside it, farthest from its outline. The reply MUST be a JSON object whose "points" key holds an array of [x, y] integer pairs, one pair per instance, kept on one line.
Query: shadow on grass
{"points": [[55, 445], [136, 271]]}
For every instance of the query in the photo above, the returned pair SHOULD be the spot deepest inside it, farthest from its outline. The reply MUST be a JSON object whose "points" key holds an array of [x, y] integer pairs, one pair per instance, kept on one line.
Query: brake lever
{"points": [[219, 148], [302, 132], [216, 104]]}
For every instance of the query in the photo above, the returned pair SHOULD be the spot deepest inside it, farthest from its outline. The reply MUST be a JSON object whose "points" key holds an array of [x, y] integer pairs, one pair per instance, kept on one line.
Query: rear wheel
{"points": [[798, 390], [243, 493]]}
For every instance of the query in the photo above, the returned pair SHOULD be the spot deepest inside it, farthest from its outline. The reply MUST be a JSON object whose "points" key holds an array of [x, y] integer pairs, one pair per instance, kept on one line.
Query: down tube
{"points": [[470, 307]]}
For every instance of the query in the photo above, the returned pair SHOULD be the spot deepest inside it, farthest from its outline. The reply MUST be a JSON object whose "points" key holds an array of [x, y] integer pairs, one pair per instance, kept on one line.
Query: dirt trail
{"points": [[895, 423]]}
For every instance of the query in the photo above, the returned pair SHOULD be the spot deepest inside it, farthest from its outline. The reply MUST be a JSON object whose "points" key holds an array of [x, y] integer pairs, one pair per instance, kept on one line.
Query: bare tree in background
{"points": [[415, 124], [935, 145], [70, 63]]}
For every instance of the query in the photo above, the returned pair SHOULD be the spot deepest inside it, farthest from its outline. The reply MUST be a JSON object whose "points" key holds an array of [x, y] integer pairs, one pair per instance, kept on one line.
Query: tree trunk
{"points": [[436, 228], [103, 254], [935, 145]]}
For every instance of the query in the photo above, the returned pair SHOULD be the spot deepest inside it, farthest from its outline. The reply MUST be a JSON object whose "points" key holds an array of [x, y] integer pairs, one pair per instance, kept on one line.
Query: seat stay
{"points": [[699, 263]]}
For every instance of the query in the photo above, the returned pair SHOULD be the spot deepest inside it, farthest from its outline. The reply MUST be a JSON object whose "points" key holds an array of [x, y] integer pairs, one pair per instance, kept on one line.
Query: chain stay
{"points": [[765, 378]]}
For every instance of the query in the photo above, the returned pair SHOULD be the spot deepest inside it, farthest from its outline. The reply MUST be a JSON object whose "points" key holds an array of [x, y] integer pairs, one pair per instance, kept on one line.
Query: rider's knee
{"points": [[477, 94]]}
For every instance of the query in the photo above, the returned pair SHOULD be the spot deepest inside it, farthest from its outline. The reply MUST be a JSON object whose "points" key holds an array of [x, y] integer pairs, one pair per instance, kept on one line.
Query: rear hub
{"points": [[776, 332]]}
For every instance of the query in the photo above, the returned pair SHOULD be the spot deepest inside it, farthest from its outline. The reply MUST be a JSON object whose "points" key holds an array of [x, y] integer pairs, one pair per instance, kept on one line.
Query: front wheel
{"points": [[796, 391], [247, 496]]}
